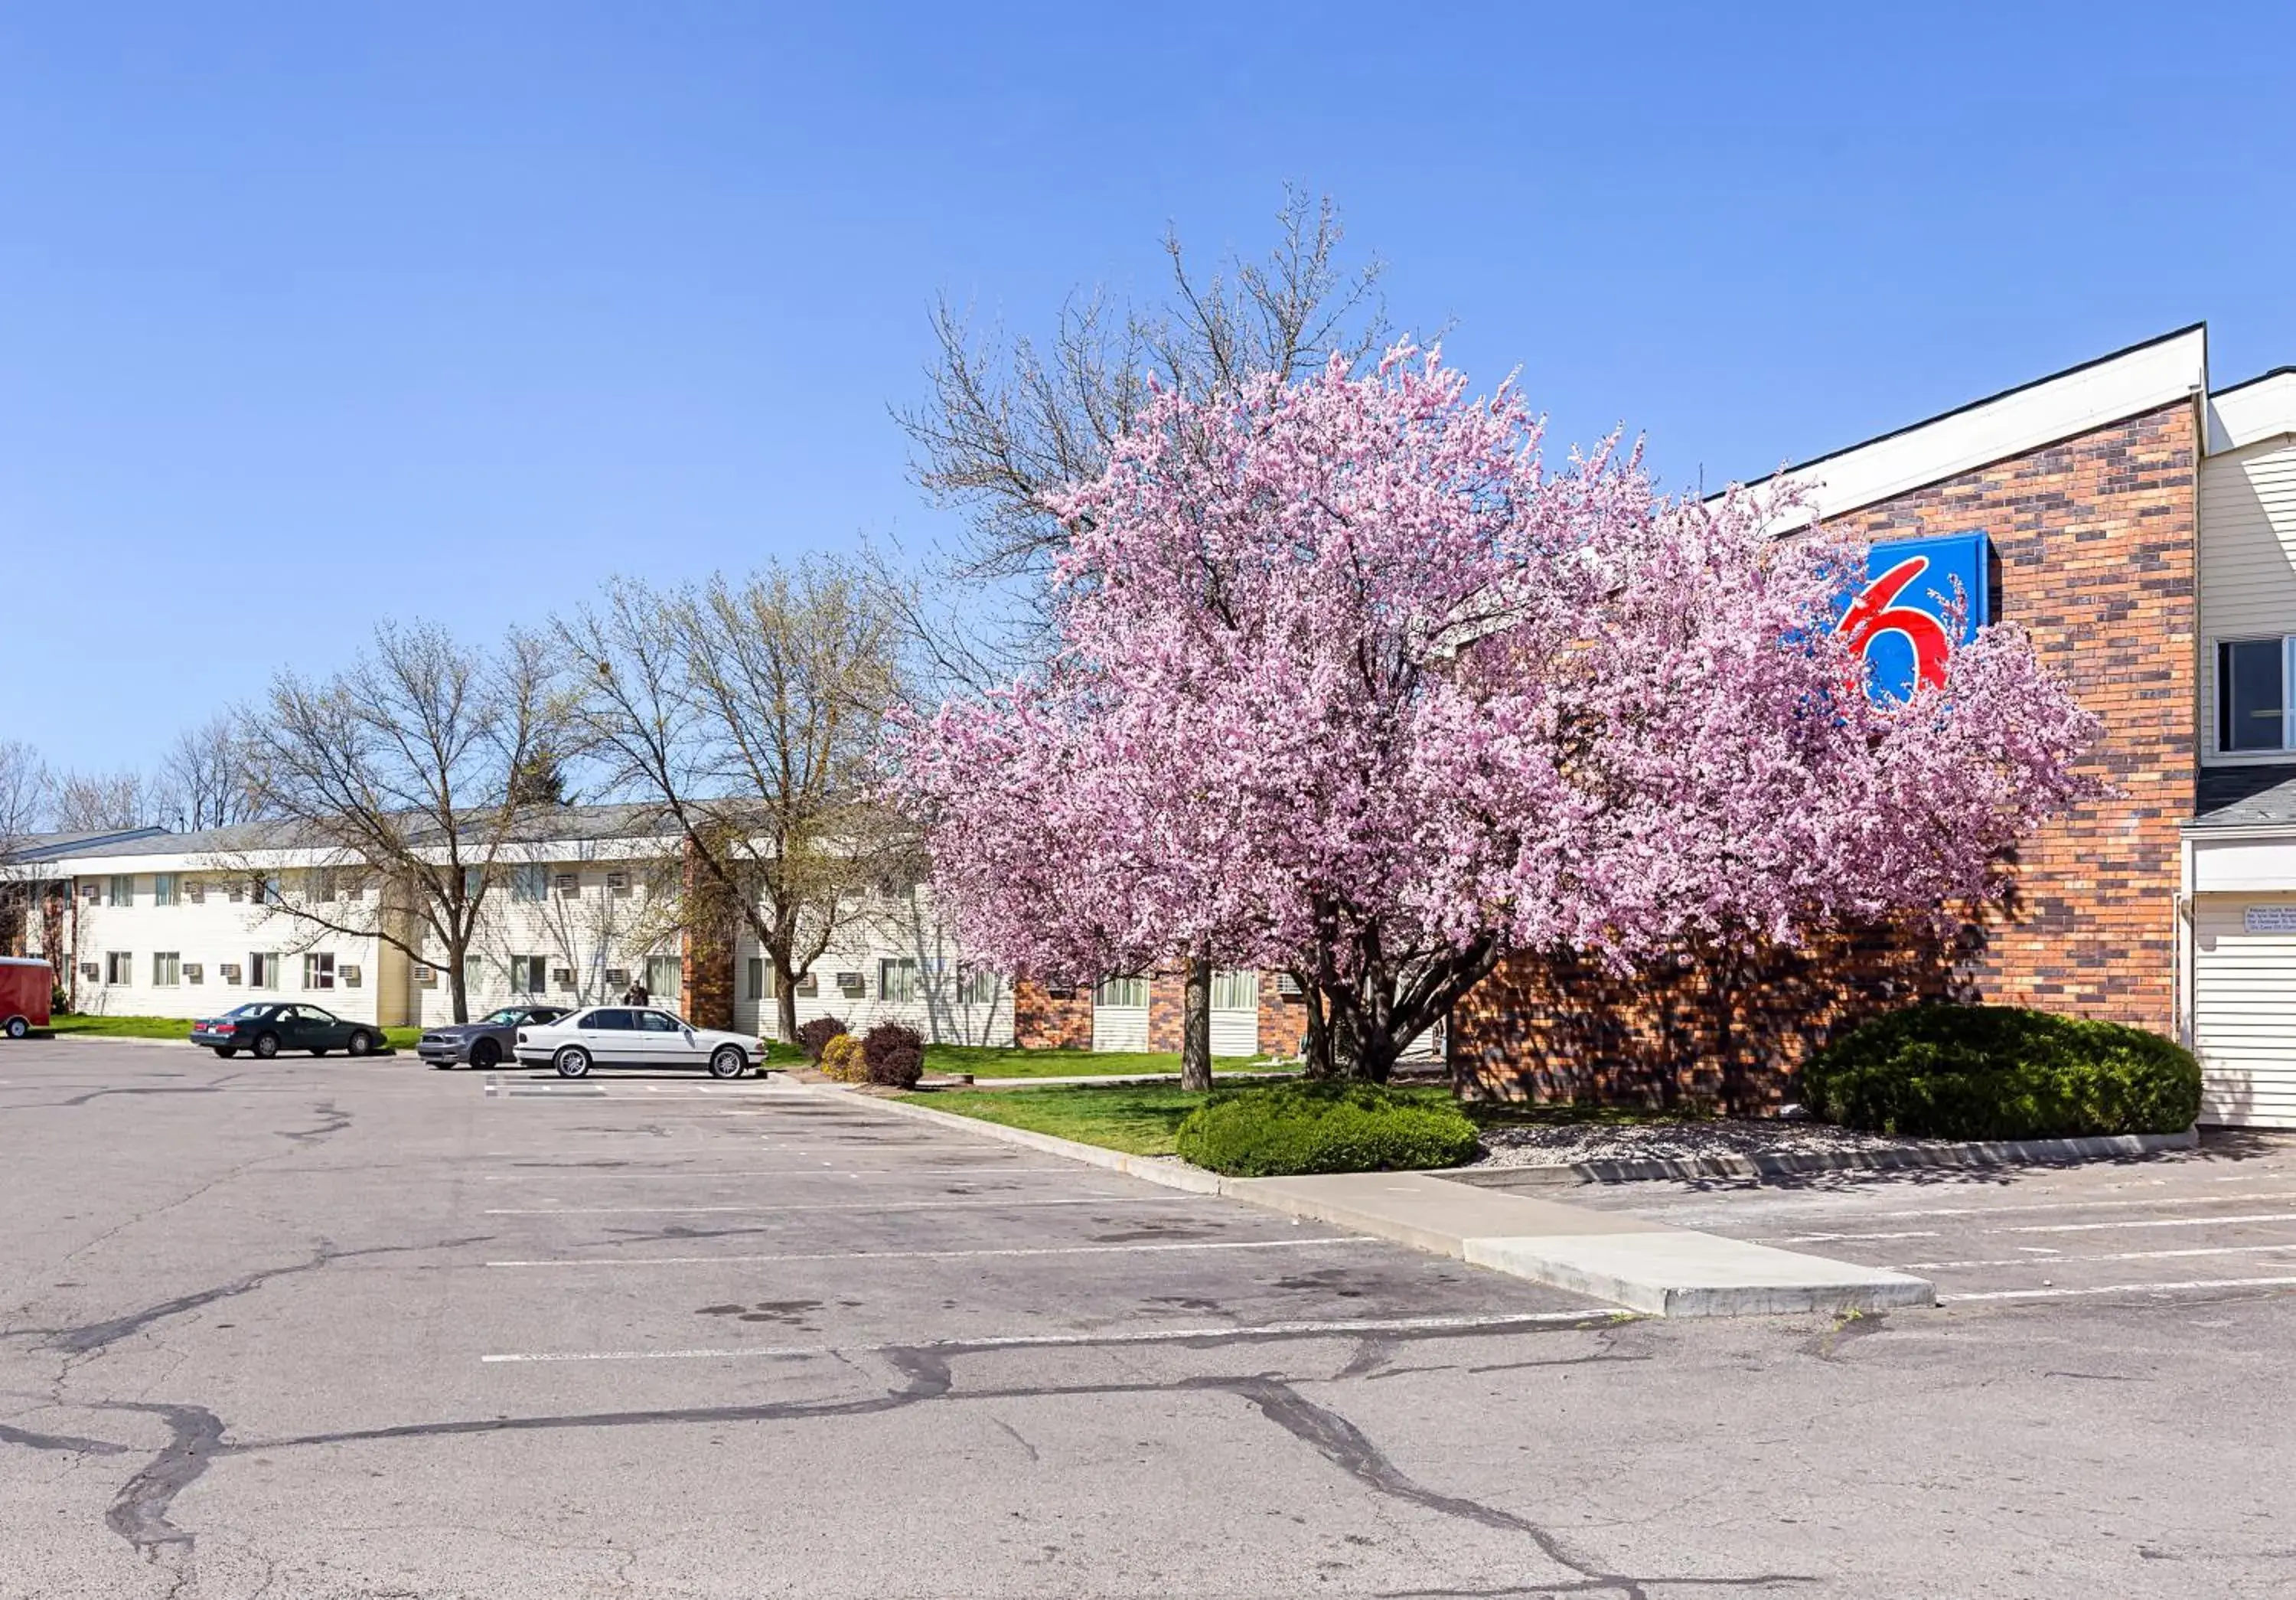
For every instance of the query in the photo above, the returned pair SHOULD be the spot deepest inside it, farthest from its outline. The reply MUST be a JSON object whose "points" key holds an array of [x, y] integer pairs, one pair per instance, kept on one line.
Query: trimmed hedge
{"points": [[1281, 1131], [894, 1055], [842, 1059], [812, 1037], [2002, 1072]]}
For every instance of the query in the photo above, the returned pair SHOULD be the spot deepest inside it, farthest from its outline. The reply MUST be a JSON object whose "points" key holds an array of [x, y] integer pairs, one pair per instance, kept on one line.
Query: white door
{"points": [[2244, 1008], [664, 1041], [607, 1034], [1235, 1013]]}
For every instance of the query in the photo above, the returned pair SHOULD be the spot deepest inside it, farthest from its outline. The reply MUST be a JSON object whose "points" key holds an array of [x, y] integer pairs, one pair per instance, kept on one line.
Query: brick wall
{"points": [[1043, 1021], [2096, 540]]}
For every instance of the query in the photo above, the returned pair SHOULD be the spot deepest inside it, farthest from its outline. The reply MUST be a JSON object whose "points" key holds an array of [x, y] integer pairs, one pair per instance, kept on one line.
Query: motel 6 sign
{"points": [[1899, 623]]}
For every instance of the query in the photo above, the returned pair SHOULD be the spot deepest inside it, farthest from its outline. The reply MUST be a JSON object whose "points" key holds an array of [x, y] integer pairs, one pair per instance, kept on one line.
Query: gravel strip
{"points": [[1569, 1143]]}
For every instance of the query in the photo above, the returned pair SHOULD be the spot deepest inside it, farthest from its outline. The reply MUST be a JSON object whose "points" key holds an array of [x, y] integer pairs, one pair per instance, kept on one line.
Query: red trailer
{"points": [[25, 987]]}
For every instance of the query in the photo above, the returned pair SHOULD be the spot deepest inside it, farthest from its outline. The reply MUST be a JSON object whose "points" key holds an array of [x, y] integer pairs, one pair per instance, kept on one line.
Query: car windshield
{"points": [[507, 1016]]}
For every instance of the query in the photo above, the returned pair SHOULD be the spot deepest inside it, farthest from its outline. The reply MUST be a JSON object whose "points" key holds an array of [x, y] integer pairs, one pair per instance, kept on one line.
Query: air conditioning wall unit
{"points": [[618, 978], [90, 972], [349, 976], [852, 985], [90, 893], [193, 972], [230, 970], [426, 977], [561, 977]]}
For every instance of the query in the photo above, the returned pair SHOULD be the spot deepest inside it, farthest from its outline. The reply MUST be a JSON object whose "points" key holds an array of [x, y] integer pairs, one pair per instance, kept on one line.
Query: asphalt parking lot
{"points": [[314, 1329]]}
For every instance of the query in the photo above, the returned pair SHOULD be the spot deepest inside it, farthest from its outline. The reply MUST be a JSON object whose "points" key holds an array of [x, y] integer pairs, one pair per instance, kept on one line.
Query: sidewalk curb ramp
{"points": [[1990, 1153], [1644, 1265]]}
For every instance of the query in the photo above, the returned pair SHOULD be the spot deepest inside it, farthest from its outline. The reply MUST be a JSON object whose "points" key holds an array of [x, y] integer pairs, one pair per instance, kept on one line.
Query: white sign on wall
{"points": [[2269, 919]]}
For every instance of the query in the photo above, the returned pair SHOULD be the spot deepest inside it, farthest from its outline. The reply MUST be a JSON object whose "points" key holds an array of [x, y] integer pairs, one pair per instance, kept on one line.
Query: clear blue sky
{"points": [[311, 315]]}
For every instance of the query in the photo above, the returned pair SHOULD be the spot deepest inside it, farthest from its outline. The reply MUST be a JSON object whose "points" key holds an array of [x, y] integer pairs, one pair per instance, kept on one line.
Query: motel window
{"points": [[474, 882], [897, 979], [529, 882], [1121, 993], [167, 969], [2252, 693], [529, 974], [474, 973], [662, 977], [323, 885], [760, 982], [1235, 991], [163, 888], [123, 890], [119, 968], [262, 970], [978, 986], [318, 969]]}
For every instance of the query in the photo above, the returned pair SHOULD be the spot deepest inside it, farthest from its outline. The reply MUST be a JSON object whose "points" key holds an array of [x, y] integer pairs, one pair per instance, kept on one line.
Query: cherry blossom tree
{"points": [[1351, 683]]}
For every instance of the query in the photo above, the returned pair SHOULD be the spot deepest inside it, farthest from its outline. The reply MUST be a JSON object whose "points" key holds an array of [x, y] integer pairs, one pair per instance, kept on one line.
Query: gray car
{"points": [[484, 1043]]}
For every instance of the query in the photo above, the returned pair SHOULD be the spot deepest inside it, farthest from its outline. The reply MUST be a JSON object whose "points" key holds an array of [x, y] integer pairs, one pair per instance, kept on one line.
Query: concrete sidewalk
{"points": [[1626, 1261]]}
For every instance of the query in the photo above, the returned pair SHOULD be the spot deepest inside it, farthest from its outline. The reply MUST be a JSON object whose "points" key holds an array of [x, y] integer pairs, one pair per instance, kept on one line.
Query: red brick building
{"points": [[2144, 532]]}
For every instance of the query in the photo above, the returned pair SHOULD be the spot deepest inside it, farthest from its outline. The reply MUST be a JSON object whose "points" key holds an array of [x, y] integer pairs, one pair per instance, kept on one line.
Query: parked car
{"points": [[633, 1036], [485, 1042], [264, 1027]]}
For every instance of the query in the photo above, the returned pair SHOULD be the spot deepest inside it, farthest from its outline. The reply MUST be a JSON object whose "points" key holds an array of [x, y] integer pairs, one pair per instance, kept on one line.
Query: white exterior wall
{"points": [[2244, 1008], [586, 934], [211, 935], [898, 929], [2246, 567]]}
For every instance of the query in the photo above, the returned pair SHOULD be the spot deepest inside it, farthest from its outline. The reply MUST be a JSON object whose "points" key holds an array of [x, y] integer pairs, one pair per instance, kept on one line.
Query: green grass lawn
{"points": [[175, 1028], [984, 1060], [1143, 1119]]}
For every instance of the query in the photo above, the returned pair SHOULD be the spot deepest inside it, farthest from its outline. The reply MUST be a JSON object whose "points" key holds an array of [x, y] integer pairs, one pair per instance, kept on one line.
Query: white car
{"points": [[632, 1036]]}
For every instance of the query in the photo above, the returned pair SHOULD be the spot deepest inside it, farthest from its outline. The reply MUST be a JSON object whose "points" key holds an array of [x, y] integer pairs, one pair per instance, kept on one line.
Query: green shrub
{"points": [[841, 1058], [1281, 1130], [893, 1055], [2002, 1072]]}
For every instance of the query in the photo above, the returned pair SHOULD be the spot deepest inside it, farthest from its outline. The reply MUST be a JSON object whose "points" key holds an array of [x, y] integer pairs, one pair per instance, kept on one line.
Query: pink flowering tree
{"points": [[1352, 685]]}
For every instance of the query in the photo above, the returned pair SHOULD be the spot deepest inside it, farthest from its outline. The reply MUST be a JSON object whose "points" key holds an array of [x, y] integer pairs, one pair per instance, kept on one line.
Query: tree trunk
{"points": [[785, 1003], [458, 983], [1196, 1026], [1315, 1042]]}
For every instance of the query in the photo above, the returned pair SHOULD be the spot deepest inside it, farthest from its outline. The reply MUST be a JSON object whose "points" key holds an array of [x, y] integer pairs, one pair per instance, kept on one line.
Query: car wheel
{"points": [[572, 1062], [267, 1044], [358, 1043], [728, 1063], [225, 1051], [486, 1053], [18, 1027]]}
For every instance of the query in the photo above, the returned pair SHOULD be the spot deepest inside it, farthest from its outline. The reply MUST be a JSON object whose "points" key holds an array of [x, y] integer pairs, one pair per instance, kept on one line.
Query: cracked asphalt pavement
{"points": [[318, 1329]]}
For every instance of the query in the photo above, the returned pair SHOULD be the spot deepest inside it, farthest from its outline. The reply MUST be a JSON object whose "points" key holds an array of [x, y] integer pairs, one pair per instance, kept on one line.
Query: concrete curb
{"points": [[1624, 1260], [1998, 1152]]}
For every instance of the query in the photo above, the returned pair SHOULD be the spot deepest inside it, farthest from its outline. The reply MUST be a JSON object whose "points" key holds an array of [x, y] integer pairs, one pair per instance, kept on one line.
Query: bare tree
{"points": [[1004, 422], [402, 768], [749, 712], [96, 802], [208, 777], [23, 798]]}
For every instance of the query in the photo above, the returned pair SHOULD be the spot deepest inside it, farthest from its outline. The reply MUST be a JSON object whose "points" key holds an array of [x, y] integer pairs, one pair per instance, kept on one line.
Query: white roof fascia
{"points": [[2250, 414], [2143, 379]]}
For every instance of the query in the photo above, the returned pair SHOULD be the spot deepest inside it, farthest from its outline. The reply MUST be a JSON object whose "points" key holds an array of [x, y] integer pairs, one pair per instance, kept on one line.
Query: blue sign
{"points": [[1903, 622]]}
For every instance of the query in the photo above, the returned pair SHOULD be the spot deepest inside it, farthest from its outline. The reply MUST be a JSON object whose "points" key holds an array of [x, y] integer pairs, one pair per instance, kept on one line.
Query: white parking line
{"points": [[2122, 1289], [1006, 1341], [947, 1255], [2077, 1205], [2125, 1255], [2091, 1228], [555, 1174], [835, 1205], [1918, 1233]]}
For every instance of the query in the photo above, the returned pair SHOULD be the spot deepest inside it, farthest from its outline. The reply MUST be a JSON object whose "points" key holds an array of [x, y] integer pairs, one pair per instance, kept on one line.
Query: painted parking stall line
{"points": [[1337, 1328], [966, 1203], [2046, 1262], [2193, 1285], [946, 1255]]}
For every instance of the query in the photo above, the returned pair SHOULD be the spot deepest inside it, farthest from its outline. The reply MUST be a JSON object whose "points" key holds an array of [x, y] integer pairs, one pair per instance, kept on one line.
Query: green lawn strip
{"points": [[989, 1062], [175, 1028], [1140, 1119], [1143, 1119]]}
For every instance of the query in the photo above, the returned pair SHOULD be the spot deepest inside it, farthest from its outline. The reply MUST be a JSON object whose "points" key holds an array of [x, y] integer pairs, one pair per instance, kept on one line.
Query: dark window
{"points": [[610, 1019], [657, 1022], [2250, 703]]}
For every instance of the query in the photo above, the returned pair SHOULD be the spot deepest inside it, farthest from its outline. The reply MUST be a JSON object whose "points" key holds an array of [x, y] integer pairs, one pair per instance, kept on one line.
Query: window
{"points": [[2252, 699], [656, 1022], [167, 969], [123, 889], [474, 973], [760, 983], [263, 892], [118, 967], [1235, 991], [611, 1020], [474, 882], [978, 987], [318, 969], [897, 979], [322, 884], [529, 882], [1122, 993], [662, 977], [263, 969], [163, 888], [529, 974]]}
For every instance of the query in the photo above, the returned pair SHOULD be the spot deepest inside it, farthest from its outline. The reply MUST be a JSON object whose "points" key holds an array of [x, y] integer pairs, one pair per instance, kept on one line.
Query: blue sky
{"points": [[313, 316]]}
